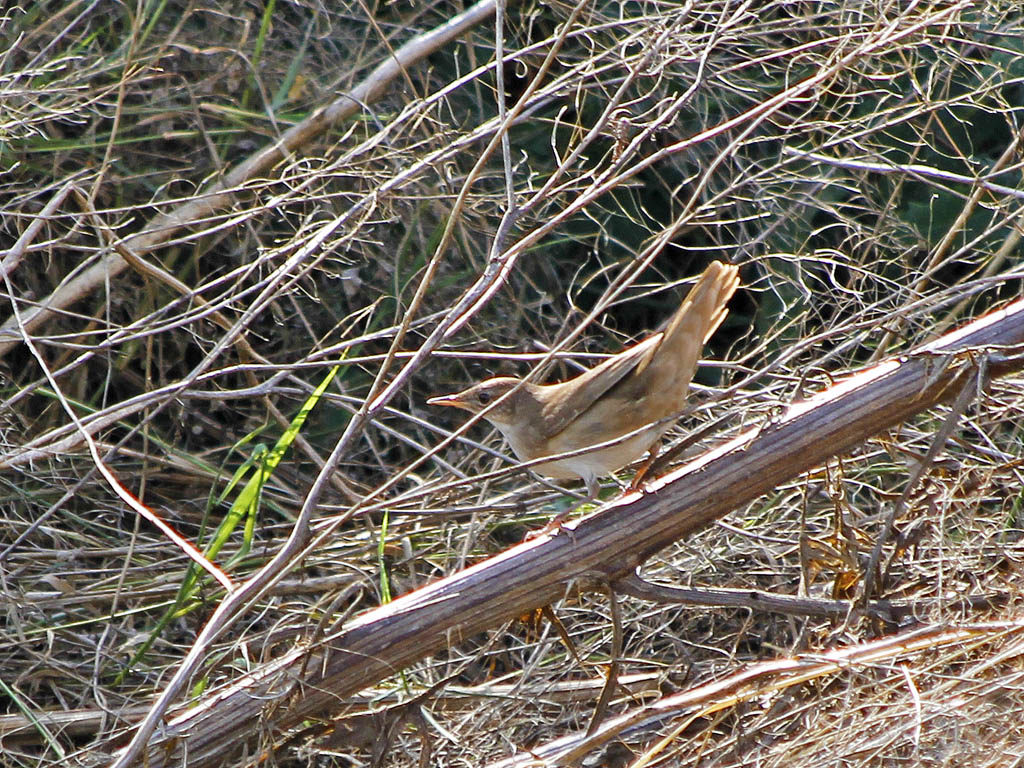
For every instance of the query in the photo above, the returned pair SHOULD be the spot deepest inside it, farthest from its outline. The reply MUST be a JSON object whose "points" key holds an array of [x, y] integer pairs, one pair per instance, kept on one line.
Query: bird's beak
{"points": [[450, 400]]}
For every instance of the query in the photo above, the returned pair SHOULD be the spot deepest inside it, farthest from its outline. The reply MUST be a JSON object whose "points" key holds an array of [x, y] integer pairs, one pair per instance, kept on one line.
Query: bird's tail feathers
{"points": [[698, 317]]}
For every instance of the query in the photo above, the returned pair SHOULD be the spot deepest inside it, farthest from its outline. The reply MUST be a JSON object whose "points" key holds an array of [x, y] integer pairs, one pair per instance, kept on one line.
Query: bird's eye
{"points": [[483, 398]]}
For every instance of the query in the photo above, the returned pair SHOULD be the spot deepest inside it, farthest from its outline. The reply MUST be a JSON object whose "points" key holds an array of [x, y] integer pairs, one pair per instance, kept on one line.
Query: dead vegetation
{"points": [[859, 160]]}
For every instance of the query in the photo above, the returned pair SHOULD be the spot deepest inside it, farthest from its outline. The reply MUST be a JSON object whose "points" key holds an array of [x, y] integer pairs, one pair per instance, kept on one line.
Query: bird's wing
{"points": [[663, 364], [581, 393]]}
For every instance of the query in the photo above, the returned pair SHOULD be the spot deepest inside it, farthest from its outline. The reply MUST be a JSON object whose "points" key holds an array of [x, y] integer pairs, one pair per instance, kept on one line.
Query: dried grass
{"points": [[847, 255]]}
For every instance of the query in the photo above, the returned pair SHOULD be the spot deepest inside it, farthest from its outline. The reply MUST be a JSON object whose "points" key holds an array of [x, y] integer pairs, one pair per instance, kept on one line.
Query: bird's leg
{"points": [[641, 473]]}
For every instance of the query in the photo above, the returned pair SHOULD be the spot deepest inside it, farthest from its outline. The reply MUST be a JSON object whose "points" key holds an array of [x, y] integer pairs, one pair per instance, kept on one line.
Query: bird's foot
{"points": [[637, 484], [554, 526]]}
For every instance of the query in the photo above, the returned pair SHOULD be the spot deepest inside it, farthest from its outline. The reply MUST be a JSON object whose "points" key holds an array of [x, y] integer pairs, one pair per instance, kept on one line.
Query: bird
{"points": [[636, 391]]}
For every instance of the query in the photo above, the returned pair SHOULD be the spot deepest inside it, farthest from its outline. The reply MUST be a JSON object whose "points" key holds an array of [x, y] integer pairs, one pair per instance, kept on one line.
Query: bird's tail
{"points": [[694, 322]]}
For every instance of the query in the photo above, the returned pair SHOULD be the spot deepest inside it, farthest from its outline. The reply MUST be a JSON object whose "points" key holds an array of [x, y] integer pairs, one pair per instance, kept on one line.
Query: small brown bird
{"points": [[639, 386]]}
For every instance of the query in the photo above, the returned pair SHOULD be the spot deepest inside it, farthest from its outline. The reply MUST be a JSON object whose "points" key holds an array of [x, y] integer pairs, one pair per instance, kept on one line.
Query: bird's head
{"points": [[485, 394]]}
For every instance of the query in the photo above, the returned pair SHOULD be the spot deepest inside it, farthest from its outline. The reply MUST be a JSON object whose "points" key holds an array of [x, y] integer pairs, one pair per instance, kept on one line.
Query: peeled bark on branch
{"points": [[611, 543]]}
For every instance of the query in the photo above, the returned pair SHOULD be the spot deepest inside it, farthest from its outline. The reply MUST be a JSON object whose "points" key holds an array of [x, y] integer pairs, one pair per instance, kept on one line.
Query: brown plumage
{"points": [[639, 386]]}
